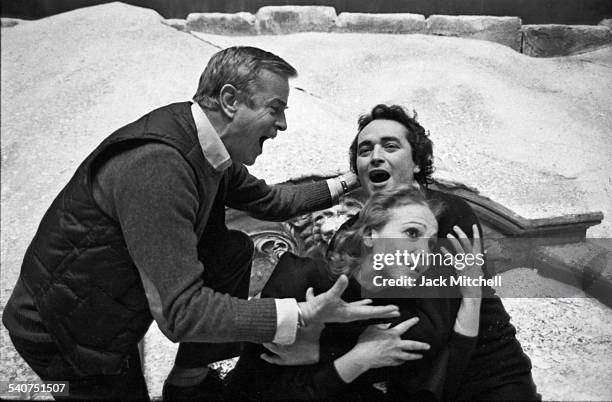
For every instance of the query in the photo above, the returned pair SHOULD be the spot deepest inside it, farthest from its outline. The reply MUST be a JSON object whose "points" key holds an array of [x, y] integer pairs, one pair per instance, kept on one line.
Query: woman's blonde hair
{"points": [[348, 248]]}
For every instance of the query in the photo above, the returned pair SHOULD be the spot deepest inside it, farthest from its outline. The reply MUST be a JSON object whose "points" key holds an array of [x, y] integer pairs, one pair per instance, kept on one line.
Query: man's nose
{"points": [[281, 123], [377, 155]]}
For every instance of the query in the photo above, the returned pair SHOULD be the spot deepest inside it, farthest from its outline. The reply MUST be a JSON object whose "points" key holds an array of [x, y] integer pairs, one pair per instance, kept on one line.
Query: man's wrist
{"points": [[340, 185], [301, 319], [345, 187], [304, 313], [349, 181]]}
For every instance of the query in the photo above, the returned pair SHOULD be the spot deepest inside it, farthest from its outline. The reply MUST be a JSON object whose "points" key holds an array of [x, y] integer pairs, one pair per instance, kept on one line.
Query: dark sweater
{"points": [[151, 192], [496, 369]]}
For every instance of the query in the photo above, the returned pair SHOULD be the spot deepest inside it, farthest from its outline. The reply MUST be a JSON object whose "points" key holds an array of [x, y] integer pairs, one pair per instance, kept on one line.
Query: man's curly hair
{"points": [[422, 146]]}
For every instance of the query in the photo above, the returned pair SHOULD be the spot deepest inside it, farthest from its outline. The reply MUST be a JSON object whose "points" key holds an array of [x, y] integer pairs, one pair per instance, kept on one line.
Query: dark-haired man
{"points": [[391, 148], [139, 234]]}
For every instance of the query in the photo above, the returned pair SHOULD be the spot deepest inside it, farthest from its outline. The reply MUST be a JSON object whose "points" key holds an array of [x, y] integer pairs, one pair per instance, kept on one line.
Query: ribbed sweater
{"points": [[151, 192]]}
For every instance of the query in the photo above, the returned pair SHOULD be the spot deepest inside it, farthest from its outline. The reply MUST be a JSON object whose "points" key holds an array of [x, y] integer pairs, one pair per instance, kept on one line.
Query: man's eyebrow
{"points": [[383, 139], [282, 102], [390, 138]]}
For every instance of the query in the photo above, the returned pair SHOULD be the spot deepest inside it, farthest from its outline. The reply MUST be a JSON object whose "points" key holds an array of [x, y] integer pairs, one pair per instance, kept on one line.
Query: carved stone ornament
{"points": [[269, 247], [315, 230]]}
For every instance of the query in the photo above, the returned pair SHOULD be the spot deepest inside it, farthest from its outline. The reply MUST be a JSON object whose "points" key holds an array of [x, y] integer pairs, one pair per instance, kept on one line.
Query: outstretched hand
{"points": [[329, 306]]}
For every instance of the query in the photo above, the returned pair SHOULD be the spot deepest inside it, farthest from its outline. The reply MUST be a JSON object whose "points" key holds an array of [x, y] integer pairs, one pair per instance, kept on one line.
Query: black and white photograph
{"points": [[281, 200]]}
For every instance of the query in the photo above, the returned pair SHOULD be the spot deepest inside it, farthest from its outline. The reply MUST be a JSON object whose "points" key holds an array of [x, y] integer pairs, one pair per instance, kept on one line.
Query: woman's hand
{"points": [[468, 317], [382, 346], [468, 260], [379, 346]]}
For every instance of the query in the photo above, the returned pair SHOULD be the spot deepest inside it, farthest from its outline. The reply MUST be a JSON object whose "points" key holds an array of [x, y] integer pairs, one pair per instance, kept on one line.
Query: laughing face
{"points": [[384, 156], [258, 120]]}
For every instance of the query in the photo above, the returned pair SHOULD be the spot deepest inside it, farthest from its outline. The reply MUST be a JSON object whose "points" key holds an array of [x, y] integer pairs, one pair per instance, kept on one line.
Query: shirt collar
{"points": [[212, 147]]}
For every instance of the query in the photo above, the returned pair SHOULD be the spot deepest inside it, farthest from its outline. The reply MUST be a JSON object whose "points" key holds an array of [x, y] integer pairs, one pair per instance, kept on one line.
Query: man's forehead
{"points": [[270, 81], [382, 130], [369, 137]]}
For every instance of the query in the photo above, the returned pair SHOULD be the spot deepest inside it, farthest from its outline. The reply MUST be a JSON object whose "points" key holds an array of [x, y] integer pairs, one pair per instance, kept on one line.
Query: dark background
{"points": [[531, 11]]}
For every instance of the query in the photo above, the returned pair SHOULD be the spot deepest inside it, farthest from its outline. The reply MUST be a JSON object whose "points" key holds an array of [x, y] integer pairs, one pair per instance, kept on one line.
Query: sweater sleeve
{"points": [[263, 381], [151, 191], [460, 348], [274, 203], [455, 212], [315, 382]]}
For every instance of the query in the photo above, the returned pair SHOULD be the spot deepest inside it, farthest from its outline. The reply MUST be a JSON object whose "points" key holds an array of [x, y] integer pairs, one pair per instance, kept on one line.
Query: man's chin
{"points": [[376, 187], [245, 161], [250, 160]]}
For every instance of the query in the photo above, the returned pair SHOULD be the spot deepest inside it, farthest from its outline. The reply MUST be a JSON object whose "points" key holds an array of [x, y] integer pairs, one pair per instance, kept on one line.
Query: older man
{"points": [[139, 233]]}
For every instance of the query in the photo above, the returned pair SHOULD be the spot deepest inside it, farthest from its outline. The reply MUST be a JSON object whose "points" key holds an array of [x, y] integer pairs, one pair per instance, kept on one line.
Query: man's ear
{"points": [[416, 169], [228, 100]]}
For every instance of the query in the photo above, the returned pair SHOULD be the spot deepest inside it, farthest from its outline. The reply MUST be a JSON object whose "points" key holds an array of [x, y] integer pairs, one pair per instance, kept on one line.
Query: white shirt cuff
{"points": [[335, 189], [286, 321]]}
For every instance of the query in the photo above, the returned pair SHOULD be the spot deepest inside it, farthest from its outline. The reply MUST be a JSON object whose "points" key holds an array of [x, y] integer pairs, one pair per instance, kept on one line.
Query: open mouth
{"points": [[379, 176], [261, 141]]}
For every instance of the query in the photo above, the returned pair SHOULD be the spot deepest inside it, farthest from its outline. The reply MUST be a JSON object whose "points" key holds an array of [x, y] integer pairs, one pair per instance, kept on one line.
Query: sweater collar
{"points": [[212, 147]]}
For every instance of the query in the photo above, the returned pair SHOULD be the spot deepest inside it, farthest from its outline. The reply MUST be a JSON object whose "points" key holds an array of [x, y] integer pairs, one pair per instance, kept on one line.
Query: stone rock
{"points": [[10, 22], [400, 23], [606, 22], [290, 19], [584, 265], [504, 30], [223, 24], [176, 23], [562, 40]]}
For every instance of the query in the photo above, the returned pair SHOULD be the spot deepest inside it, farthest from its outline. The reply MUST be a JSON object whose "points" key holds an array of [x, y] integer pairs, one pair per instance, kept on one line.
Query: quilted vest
{"points": [[78, 269]]}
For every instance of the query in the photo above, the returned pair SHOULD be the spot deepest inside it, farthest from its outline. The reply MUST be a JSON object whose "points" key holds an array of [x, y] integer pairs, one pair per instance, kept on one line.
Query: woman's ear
{"points": [[228, 100]]}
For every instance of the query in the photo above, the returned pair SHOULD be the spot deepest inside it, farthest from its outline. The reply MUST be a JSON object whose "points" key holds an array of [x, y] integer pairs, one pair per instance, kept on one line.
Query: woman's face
{"points": [[407, 232]]}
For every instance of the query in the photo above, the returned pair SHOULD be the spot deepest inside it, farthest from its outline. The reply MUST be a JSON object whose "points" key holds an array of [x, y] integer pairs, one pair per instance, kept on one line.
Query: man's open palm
{"points": [[329, 306]]}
